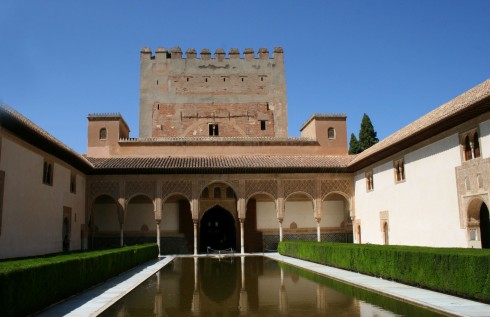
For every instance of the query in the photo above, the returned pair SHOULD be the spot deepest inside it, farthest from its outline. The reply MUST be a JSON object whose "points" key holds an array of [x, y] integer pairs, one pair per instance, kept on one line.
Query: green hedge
{"points": [[29, 285], [456, 271]]}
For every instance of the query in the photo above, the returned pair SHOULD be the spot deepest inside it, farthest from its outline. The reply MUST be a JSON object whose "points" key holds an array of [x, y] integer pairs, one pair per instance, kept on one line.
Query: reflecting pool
{"points": [[251, 286]]}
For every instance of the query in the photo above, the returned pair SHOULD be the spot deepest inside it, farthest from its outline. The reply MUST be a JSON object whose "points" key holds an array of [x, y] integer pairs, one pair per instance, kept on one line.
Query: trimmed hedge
{"points": [[456, 271], [29, 285]]}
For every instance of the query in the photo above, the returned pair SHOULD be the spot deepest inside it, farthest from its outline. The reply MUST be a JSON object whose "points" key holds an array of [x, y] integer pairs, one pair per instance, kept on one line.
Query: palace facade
{"points": [[213, 168]]}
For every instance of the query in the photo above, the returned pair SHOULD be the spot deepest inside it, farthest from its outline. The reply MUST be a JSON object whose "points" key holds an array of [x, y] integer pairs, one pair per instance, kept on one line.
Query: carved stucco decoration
{"points": [[140, 187], [260, 186], [183, 187], [299, 185], [99, 188], [336, 185]]}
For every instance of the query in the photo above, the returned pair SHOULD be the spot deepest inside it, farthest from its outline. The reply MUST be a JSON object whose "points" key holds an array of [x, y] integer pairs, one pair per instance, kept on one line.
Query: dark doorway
{"points": [[484, 227], [217, 230]]}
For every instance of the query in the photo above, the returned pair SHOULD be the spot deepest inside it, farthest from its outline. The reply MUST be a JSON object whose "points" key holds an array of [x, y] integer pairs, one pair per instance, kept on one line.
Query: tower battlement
{"points": [[205, 54], [223, 94]]}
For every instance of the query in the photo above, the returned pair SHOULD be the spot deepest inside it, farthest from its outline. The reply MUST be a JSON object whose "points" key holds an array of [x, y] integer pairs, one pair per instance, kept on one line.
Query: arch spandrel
{"points": [[254, 187], [144, 188], [101, 188], [306, 186], [343, 186], [177, 187]]}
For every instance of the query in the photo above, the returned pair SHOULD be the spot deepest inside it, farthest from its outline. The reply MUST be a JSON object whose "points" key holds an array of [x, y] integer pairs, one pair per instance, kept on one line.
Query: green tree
{"points": [[354, 145], [367, 135]]}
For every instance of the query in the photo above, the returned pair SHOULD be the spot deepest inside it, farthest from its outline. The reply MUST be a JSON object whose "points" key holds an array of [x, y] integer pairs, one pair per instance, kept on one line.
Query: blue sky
{"points": [[394, 60]]}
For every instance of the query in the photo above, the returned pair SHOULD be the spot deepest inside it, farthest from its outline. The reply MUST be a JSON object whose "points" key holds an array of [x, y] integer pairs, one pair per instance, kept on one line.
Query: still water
{"points": [[250, 286]]}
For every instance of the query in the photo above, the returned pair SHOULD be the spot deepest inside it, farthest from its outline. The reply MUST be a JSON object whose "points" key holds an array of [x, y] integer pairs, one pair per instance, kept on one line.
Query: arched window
{"points": [[476, 146], [217, 192], [48, 173], [103, 134], [229, 193], [331, 133], [205, 193]]}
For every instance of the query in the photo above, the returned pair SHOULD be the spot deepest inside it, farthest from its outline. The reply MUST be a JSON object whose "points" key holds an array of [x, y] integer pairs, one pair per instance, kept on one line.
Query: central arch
{"points": [[217, 229]]}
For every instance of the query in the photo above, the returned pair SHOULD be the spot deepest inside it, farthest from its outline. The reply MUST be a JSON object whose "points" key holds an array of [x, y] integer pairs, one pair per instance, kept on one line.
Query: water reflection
{"points": [[249, 286]]}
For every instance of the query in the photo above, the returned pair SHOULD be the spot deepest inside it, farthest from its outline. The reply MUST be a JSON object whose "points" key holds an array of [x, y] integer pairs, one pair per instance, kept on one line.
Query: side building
{"points": [[428, 184]]}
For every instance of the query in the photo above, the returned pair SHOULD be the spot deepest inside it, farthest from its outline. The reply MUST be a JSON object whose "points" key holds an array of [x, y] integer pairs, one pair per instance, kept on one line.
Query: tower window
{"points": [[103, 134], [213, 129], [331, 133], [263, 125]]}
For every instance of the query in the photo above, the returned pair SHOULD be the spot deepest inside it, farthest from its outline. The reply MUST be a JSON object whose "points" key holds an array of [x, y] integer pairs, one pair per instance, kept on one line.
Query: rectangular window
{"points": [[369, 181], [2, 183], [48, 173], [399, 170], [213, 129], [73, 183], [263, 125]]}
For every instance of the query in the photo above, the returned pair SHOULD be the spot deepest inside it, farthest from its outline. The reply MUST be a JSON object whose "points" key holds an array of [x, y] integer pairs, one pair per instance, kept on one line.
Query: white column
{"points": [[195, 236], [242, 239], [318, 236], [158, 236], [280, 230]]}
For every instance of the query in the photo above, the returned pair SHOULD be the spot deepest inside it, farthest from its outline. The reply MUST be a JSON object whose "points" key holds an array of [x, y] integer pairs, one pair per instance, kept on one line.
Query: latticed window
{"points": [[331, 133]]}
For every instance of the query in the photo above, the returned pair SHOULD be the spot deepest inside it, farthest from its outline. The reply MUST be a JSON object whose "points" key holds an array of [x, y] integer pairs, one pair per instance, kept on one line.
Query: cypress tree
{"points": [[354, 145], [367, 135]]}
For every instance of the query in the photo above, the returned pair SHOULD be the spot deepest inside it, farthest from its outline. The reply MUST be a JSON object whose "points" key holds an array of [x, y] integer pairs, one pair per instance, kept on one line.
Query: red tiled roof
{"points": [[221, 164]]}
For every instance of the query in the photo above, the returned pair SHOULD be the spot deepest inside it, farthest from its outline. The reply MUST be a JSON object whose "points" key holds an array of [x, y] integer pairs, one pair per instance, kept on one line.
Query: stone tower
{"points": [[212, 96]]}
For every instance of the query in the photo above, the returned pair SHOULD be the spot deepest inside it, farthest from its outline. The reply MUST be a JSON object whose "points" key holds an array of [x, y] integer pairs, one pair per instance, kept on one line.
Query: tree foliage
{"points": [[354, 145], [367, 137]]}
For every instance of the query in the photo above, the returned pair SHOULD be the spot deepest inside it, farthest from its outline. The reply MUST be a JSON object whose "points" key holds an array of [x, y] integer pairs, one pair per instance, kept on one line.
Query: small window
{"points": [[399, 170], [48, 173], [73, 183], [217, 192], [213, 129], [331, 133], [229, 193], [205, 193], [263, 125], [470, 145], [369, 181], [103, 134]]}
